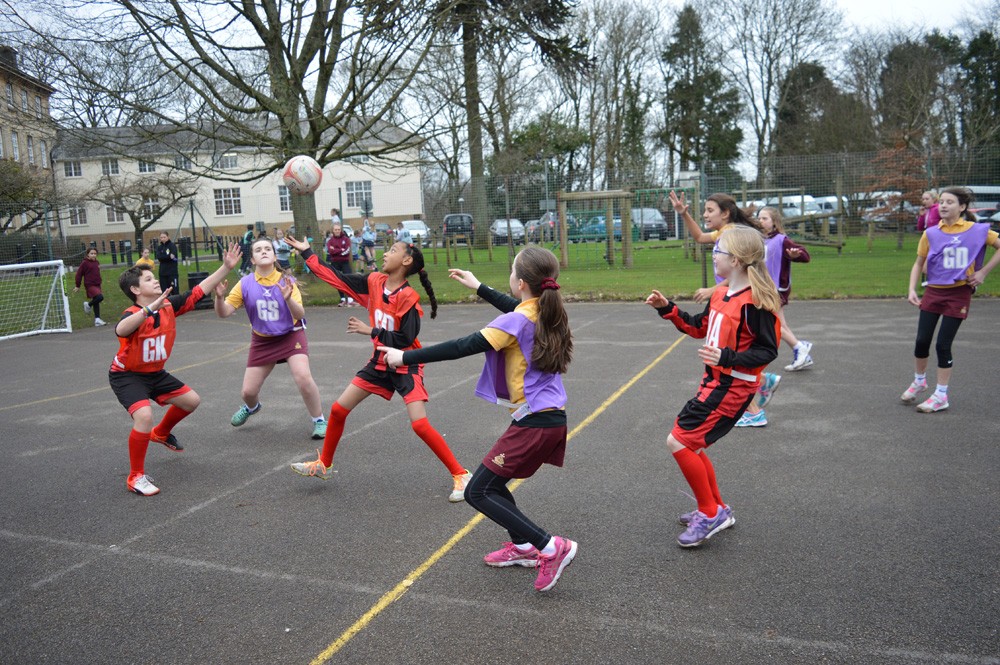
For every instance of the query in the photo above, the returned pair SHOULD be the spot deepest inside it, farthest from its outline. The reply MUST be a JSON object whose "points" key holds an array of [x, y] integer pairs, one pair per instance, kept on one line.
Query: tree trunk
{"points": [[477, 185]]}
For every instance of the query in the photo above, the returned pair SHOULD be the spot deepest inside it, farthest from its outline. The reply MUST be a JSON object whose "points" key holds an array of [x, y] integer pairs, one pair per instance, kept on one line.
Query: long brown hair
{"points": [[775, 214], [552, 350]]}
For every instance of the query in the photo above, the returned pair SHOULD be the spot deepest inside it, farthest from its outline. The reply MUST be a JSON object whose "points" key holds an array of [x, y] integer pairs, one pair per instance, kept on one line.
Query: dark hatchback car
{"points": [[458, 226]]}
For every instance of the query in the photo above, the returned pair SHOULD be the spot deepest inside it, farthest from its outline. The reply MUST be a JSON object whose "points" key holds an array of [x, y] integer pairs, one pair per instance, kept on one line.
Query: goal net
{"points": [[33, 299]]}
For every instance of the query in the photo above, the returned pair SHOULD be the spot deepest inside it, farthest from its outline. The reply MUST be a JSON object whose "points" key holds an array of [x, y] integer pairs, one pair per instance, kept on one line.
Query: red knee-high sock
{"points": [[696, 476], [174, 415], [334, 430], [138, 442], [436, 442], [710, 470]]}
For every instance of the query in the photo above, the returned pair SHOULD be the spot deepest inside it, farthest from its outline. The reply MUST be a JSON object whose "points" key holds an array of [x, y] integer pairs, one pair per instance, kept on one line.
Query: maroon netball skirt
{"points": [[267, 350], [953, 302]]}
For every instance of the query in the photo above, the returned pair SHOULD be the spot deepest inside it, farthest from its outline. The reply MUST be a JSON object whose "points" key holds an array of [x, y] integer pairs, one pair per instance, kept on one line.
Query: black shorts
{"points": [[410, 386], [135, 389]]}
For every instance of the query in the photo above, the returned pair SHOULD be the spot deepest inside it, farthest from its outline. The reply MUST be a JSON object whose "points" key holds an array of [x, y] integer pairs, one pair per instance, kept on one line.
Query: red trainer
{"points": [[170, 441]]}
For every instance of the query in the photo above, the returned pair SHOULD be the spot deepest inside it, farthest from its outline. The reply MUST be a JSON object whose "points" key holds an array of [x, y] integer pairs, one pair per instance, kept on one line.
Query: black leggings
{"points": [[95, 305], [946, 335], [487, 492]]}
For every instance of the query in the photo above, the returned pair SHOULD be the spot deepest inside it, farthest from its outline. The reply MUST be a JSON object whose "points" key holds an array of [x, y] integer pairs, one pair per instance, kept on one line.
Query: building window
{"points": [[116, 213], [146, 167], [227, 202], [150, 207], [182, 162], [227, 162], [45, 154], [15, 146], [358, 193], [358, 159], [77, 216], [73, 169], [284, 199], [10, 95], [31, 150], [38, 107], [109, 167], [24, 101]]}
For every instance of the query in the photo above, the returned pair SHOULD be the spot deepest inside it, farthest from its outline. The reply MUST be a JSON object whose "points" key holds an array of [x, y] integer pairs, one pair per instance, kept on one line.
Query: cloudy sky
{"points": [[908, 13]]}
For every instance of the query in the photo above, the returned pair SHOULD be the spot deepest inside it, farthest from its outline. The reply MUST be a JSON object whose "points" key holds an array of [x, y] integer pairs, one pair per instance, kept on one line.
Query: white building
{"points": [[94, 166]]}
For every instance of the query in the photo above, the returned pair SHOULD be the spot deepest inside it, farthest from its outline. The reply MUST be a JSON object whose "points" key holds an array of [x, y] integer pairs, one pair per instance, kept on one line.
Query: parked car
{"points": [[985, 214], [458, 226], [594, 230], [498, 231], [544, 228], [650, 223], [382, 231], [419, 231]]}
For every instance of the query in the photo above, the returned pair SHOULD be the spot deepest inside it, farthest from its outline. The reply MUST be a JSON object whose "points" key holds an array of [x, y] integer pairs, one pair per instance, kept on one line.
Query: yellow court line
{"points": [[241, 349], [397, 591]]}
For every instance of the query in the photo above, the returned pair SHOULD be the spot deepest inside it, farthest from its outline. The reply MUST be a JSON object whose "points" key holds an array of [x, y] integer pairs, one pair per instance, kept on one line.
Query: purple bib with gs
{"points": [[266, 307]]}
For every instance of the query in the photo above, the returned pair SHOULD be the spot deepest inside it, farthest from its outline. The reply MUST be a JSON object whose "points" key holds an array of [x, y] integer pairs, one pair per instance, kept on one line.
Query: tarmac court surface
{"points": [[866, 532]]}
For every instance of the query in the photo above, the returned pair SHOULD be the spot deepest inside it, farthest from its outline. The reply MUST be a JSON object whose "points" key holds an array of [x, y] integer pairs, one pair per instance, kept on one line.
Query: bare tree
{"points": [[144, 198], [763, 40], [283, 78]]}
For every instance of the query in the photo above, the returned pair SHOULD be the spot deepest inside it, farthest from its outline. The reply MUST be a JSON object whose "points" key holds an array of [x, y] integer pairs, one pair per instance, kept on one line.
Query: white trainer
{"points": [[143, 485]]}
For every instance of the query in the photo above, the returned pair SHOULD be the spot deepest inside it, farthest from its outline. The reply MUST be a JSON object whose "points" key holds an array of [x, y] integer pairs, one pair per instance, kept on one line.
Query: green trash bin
{"points": [[195, 278]]}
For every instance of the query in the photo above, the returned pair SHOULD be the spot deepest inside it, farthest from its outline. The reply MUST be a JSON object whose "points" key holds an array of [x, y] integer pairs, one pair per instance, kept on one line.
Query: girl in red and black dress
{"points": [[394, 314], [741, 333]]}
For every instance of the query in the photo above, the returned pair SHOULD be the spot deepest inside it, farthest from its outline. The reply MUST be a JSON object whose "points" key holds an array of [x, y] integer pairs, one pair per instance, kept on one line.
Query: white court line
{"points": [[105, 550]]}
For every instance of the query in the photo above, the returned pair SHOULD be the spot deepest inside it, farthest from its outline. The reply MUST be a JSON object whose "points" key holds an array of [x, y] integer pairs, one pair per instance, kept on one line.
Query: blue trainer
{"points": [[748, 419], [767, 387]]}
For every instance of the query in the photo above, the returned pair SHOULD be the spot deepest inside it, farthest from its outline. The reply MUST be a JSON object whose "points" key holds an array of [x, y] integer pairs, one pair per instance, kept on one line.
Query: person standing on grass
{"points": [[144, 259], [779, 252], [394, 315], [282, 251], [146, 333], [527, 348], [338, 251], [929, 214], [89, 274], [166, 256], [951, 254], [741, 331], [278, 332]]}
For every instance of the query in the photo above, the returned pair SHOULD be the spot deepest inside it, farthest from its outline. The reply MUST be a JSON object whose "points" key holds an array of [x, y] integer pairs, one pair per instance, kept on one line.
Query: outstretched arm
{"points": [[469, 345], [230, 260], [684, 210]]}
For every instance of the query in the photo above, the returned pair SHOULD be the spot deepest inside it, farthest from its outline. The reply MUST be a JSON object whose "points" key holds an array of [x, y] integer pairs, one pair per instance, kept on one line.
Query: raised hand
{"points": [[158, 303], [464, 277], [220, 288], [657, 299], [232, 257], [678, 202], [300, 245]]}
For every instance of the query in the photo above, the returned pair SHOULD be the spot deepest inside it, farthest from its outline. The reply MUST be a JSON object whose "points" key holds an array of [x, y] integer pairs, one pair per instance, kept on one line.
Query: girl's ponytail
{"points": [[418, 267], [552, 350]]}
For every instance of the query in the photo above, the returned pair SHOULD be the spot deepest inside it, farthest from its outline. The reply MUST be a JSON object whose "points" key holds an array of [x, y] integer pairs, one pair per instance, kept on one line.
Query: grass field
{"points": [[854, 272]]}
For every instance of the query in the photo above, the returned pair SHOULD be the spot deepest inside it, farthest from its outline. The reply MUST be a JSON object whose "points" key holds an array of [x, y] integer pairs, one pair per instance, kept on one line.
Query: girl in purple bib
{"points": [[274, 306], [951, 254], [527, 348]]}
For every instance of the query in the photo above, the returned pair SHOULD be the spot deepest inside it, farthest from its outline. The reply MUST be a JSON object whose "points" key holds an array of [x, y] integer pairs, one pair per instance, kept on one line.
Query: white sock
{"points": [[255, 409], [524, 547], [550, 548], [319, 419], [920, 378], [942, 390]]}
